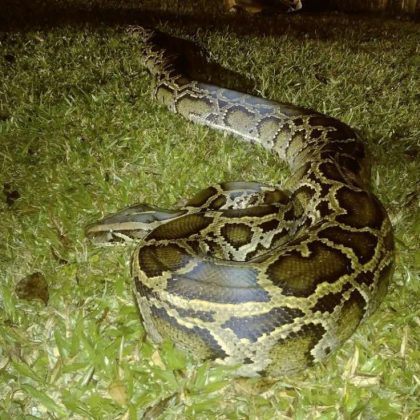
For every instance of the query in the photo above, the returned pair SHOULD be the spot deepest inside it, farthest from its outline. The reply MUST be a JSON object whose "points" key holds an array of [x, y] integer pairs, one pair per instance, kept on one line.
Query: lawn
{"points": [[80, 137]]}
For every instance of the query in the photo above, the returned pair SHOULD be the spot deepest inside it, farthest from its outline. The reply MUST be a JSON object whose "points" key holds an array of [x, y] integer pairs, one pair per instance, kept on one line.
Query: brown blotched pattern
{"points": [[248, 274]]}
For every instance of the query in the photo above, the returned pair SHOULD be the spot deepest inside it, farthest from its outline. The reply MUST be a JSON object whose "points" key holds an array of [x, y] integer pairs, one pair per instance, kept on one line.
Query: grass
{"points": [[80, 137]]}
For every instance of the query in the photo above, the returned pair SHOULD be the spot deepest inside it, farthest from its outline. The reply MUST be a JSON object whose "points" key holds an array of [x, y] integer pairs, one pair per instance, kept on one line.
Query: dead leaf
{"points": [[32, 287], [118, 392]]}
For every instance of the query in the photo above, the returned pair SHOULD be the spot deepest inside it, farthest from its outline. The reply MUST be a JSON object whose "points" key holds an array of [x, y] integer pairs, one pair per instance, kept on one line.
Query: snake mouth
{"points": [[130, 224]]}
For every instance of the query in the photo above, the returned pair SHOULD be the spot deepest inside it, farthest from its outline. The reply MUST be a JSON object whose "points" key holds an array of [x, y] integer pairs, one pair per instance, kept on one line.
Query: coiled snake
{"points": [[245, 273]]}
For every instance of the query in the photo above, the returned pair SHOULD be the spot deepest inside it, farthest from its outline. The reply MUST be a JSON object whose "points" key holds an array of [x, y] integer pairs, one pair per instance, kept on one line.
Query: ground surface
{"points": [[80, 137]]}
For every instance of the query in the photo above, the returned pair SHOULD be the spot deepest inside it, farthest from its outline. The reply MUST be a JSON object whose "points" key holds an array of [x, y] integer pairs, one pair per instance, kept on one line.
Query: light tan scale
{"points": [[250, 275]]}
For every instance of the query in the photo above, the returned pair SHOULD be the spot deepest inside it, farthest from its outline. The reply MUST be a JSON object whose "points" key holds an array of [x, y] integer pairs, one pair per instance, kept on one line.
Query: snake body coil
{"points": [[248, 274]]}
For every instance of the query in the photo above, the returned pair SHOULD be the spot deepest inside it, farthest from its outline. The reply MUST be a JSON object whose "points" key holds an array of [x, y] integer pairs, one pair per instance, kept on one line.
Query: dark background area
{"points": [[16, 14]]}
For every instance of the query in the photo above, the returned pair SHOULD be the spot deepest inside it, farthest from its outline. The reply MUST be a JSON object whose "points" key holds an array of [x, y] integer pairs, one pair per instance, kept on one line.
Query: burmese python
{"points": [[248, 274]]}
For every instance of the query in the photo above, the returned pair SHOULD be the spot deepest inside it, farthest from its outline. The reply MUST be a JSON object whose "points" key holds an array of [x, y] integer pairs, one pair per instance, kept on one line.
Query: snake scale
{"points": [[269, 280]]}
